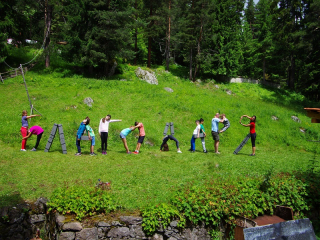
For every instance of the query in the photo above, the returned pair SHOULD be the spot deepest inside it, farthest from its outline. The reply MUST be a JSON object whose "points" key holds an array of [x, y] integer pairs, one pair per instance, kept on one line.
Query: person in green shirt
{"points": [[92, 138], [204, 134]]}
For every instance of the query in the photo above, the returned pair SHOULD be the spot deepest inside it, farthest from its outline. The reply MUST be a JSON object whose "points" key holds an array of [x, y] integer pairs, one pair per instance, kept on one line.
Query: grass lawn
{"points": [[152, 176]]}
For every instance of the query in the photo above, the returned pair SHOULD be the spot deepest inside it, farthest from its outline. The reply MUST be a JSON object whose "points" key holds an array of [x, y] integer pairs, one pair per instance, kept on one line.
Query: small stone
{"points": [[302, 130], [116, 223], [296, 119], [174, 224], [88, 101], [168, 89], [274, 118], [103, 224], [123, 80], [157, 237], [216, 86], [198, 81], [67, 236], [229, 92], [148, 142], [72, 226]]}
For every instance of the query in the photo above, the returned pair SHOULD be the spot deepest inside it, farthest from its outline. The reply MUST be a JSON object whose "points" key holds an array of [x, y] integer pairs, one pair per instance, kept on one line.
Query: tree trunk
{"points": [[190, 67], [136, 37], [292, 73], [264, 69], [149, 42], [48, 19], [168, 38], [199, 50]]}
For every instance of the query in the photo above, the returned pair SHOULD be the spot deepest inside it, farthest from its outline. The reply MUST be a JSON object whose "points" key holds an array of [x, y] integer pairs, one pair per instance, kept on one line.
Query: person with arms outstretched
{"points": [[103, 132], [253, 134], [24, 128]]}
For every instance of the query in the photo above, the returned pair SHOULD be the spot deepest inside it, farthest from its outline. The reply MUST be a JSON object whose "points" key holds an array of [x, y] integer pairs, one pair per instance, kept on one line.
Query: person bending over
{"points": [[166, 139], [35, 130]]}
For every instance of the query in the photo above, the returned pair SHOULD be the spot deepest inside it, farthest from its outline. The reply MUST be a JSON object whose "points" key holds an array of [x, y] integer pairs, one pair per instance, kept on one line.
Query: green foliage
{"points": [[81, 201], [161, 215], [224, 199]]}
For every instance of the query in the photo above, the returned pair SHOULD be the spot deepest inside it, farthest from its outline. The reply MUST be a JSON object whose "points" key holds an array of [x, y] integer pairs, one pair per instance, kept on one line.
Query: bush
{"points": [[81, 201]]}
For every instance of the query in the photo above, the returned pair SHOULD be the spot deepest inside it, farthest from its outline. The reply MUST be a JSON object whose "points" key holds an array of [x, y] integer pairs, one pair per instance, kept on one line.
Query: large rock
{"points": [[130, 220], [35, 218], [88, 101], [147, 76], [87, 234], [67, 236], [72, 226], [119, 232], [60, 219]]}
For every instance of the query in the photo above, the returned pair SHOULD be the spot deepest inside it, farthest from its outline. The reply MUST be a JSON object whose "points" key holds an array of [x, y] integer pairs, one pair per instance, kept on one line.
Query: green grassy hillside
{"points": [[151, 176]]}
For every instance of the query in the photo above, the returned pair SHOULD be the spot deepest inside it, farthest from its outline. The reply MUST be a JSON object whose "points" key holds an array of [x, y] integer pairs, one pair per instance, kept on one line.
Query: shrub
{"points": [[81, 201]]}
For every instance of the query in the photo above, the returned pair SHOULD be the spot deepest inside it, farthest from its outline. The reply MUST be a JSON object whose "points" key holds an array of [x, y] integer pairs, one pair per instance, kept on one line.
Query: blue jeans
{"points": [[193, 143], [78, 145]]}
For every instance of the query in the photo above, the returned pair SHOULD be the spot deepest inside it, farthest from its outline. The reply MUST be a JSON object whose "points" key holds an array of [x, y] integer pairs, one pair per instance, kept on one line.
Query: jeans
{"points": [[193, 143], [78, 145]]}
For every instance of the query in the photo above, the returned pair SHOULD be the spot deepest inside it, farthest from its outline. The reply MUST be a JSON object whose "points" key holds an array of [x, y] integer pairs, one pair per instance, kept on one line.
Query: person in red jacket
{"points": [[253, 134]]}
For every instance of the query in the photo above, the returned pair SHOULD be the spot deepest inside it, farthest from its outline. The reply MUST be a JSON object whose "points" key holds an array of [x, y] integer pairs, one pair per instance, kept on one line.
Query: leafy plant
{"points": [[81, 201], [160, 215]]}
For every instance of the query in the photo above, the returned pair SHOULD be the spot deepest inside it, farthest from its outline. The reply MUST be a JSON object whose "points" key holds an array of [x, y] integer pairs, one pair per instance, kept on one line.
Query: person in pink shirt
{"points": [[142, 134], [35, 130]]}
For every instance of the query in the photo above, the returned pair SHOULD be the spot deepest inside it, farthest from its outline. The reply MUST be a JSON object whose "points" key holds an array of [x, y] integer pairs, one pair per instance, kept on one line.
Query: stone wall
{"points": [[25, 220]]}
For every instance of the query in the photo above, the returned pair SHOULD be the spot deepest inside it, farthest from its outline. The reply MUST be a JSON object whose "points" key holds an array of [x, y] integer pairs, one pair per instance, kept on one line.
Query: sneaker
{"points": [[93, 154], [205, 151], [129, 152], [23, 150], [33, 149], [192, 151], [217, 152], [252, 154], [136, 152], [78, 154], [179, 151]]}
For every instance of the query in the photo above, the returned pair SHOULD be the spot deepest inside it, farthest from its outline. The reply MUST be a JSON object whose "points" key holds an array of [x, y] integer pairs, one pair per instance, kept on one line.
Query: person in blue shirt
{"points": [[123, 134], [215, 131], [80, 131]]}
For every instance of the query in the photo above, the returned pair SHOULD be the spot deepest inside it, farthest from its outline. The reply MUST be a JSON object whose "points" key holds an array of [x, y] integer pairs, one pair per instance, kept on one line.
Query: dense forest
{"points": [[272, 40]]}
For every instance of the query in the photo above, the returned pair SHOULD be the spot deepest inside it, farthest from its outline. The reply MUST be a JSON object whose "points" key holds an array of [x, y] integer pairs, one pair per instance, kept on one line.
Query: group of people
{"points": [[103, 132], [199, 132]]}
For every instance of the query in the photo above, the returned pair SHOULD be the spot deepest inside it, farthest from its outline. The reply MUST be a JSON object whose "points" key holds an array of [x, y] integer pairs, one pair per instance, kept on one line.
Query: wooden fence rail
{"points": [[14, 73]]}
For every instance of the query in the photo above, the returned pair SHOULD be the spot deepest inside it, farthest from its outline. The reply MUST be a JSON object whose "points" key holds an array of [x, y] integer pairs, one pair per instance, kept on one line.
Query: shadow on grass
{"points": [[10, 199]]}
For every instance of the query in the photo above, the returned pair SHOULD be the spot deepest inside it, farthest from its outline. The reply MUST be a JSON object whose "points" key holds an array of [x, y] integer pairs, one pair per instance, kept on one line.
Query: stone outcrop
{"points": [[147, 76]]}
